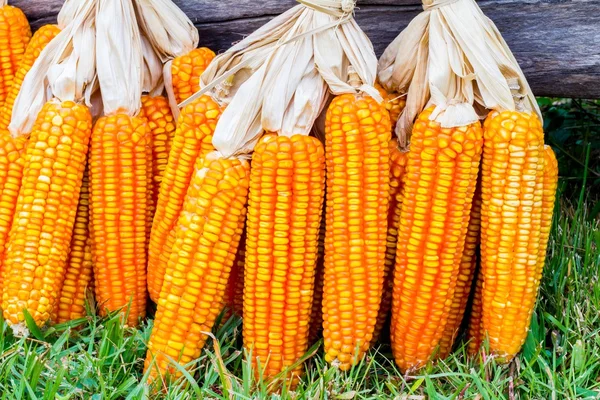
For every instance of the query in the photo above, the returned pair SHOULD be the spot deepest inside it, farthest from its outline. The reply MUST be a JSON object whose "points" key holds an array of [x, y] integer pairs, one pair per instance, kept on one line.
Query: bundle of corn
{"points": [[175, 38], [454, 66], [119, 166], [36, 254], [312, 64], [287, 178]]}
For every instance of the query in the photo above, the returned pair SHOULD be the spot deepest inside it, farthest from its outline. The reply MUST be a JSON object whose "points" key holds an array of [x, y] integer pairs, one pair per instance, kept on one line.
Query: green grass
{"points": [[97, 358]]}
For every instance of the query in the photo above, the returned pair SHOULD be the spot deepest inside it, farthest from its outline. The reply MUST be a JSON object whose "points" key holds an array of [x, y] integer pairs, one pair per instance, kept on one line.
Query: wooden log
{"points": [[555, 41]]}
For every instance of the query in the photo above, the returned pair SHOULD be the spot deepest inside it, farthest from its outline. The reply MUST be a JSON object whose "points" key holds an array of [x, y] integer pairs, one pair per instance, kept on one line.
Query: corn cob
{"points": [[234, 295], [38, 42], [316, 316], [475, 329], [548, 200], [39, 242], [511, 218], [79, 274], [186, 71], [162, 126], [441, 175], [15, 34], [193, 137], [284, 215], [357, 131], [208, 233], [397, 169], [467, 269], [12, 161], [118, 209], [393, 102]]}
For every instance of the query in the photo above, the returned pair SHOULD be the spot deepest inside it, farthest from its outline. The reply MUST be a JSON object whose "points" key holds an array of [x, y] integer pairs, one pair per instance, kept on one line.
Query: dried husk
{"points": [[283, 73], [452, 56], [119, 57], [69, 10], [168, 29], [65, 70], [153, 82]]}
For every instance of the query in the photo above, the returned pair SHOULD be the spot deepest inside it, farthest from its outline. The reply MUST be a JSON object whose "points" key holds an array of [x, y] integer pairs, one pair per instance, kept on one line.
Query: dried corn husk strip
{"points": [[120, 58], [283, 72], [65, 69], [469, 67], [169, 30], [153, 83], [68, 11]]}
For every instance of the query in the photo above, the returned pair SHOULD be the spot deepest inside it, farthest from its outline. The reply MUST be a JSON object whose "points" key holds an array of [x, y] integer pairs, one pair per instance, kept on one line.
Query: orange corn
{"points": [[475, 328], [511, 224], [14, 37], [162, 126], [468, 266], [397, 170], [79, 275], [193, 137], [186, 71], [550, 186], [118, 207], [234, 295], [316, 316], [441, 175], [208, 233], [357, 131], [12, 160], [38, 42], [284, 214], [37, 251], [393, 102]]}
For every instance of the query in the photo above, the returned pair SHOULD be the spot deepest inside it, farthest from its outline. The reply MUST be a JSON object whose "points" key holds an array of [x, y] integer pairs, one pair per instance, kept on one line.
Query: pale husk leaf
{"points": [[119, 57], [64, 69], [153, 83], [169, 30], [68, 11]]}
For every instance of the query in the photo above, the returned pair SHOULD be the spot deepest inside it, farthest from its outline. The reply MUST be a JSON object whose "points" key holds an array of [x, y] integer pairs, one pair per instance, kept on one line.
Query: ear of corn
{"points": [[397, 170], [393, 102], [548, 200], [207, 236], [284, 216], [234, 295], [316, 316], [193, 137], [15, 34], [79, 272], [45, 214], [511, 219], [186, 71], [357, 130], [162, 127], [466, 272], [118, 168], [441, 175], [12, 160], [475, 328], [38, 42]]}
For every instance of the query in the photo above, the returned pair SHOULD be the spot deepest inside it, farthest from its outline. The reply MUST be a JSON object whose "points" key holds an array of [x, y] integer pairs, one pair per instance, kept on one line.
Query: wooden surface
{"points": [[557, 42]]}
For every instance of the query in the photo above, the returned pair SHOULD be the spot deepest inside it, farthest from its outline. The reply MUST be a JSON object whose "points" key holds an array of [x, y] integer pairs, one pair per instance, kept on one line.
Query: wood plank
{"points": [[552, 39]]}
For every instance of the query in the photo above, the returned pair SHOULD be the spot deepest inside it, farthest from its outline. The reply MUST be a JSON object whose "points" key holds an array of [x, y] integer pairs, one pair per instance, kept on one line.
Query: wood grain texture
{"points": [[555, 41]]}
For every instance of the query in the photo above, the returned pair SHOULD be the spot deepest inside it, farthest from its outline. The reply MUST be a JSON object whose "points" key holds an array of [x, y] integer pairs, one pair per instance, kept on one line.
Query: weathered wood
{"points": [[556, 41]]}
